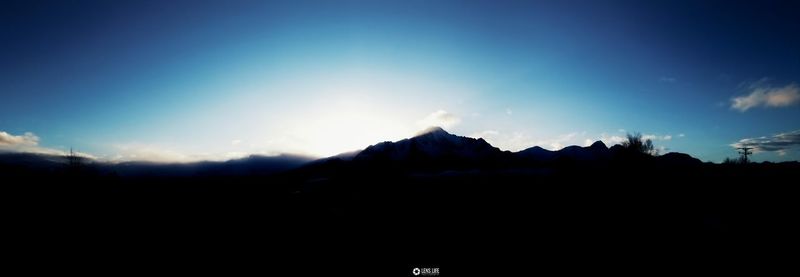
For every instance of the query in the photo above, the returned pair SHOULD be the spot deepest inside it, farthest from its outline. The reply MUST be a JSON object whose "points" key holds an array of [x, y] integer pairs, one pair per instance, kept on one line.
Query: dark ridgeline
{"points": [[429, 198], [432, 150]]}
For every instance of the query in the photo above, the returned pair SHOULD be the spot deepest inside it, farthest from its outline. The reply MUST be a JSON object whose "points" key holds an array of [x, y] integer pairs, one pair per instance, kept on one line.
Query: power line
{"points": [[745, 152]]}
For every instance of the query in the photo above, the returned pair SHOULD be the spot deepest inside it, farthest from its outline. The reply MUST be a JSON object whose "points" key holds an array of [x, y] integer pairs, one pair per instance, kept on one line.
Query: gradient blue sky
{"points": [[172, 80]]}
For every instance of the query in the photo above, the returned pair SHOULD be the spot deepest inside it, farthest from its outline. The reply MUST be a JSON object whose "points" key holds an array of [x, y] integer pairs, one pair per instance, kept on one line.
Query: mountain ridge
{"points": [[433, 149]]}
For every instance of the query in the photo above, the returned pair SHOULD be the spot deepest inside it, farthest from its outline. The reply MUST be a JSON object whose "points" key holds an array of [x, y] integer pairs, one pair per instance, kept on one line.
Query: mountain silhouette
{"points": [[433, 148]]}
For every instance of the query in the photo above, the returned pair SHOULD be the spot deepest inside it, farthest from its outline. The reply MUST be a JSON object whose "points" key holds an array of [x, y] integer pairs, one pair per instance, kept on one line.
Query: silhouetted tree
{"points": [[731, 161], [636, 144]]}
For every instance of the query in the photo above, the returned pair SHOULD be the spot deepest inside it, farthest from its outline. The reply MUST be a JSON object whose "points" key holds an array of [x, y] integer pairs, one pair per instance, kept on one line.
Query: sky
{"points": [[214, 80]]}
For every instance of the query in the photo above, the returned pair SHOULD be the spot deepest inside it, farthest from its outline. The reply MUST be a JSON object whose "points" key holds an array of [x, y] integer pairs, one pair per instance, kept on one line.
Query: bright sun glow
{"points": [[348, 125]]}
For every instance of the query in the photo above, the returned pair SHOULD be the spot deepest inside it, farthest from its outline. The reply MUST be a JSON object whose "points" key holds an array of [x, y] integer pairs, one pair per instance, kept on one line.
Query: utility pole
{"points": [[745, 152], [73, 160]]}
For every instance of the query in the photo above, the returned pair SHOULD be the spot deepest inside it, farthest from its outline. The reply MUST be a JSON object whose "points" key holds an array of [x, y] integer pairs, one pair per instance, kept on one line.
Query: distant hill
{"points": [[22, 163], [15, 163], [678, 159], [31, 159], [252, 165]]}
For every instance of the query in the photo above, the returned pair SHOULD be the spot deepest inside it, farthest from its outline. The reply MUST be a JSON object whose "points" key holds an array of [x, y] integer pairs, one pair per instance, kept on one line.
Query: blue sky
{"points": [[220, 79]]}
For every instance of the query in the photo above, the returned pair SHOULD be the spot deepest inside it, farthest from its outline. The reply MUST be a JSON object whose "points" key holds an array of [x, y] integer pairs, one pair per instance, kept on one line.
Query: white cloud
{"points": [[762, 95], [236, 142], [28, 138], [681, 135], [440, 118], [610, 140], [509, 111]]}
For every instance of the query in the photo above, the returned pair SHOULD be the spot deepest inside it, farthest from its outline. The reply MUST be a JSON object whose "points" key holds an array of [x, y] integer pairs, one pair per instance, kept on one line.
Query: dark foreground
{"points": [[371, 222]]}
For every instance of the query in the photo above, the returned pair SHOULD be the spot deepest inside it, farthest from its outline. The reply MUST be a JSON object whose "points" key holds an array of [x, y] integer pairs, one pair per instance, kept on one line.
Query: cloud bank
{"points": [[777, 143]]}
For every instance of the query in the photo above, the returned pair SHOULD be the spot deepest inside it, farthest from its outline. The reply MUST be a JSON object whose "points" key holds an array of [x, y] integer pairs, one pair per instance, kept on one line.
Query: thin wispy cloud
{"points": [[511, 141], [612, 139], [440, 118], [125, 152], [779, 143], [561, 141], [485, 134], [517, 141], [149, 153], [762, 95], [656, 137], [667, 79]]}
